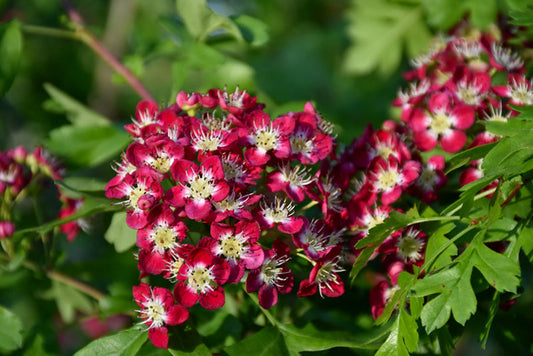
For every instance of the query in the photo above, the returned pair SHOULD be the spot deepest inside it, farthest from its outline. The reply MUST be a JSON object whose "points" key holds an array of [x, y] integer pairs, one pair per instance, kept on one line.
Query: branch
{"points": [[88, 38]]}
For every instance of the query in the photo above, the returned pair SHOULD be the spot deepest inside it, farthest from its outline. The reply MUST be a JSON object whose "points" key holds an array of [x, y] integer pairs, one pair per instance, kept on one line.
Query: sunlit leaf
{"points": [[119, 234], [123, 343], [10, 331]]}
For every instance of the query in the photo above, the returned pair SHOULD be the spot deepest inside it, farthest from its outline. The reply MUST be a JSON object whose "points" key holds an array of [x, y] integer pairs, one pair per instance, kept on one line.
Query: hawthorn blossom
{"points": [[157, 311], [445, 123], [200, 279], [272, 276], [197, 187]]}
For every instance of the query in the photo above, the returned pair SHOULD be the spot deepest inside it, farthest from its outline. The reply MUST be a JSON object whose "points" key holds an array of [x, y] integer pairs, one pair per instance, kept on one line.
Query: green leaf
{"points": [[439, 248], [464, 157], [482, 12], [87, 146], [443, 14], [37, 347], [379, 29], [309, 338], [510, 128], [68, 300], [119, 234], [526, 241], [403, 337], [201, 21], [77, 113], [522, 17], [511, 156], [270, 340], [10, 52], [254, 30], [499, 270], [84, 184], [199, 350], [123, 343], [456, 295], [90, 207], [10, 331]]}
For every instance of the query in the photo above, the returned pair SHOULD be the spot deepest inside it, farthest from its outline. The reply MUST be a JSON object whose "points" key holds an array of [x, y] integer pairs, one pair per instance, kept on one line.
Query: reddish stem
{"points": [[91, 41]]}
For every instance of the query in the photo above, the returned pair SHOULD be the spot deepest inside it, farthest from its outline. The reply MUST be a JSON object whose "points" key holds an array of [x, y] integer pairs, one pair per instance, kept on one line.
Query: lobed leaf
{"points": [[270, 340], [119, 234], [403, 337]]}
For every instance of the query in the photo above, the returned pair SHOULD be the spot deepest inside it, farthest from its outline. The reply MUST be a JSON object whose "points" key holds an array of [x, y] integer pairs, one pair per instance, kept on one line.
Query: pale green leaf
{"points": [[403, 337], [87, 146], [119, 234], [10, 331], [201, 21], [379, 31], [124, 343], [76, 112], [254, 30], [68, 300], [198, 350]]}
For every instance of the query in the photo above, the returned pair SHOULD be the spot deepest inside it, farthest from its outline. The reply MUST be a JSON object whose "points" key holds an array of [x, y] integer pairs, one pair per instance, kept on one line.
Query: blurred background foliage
{"points": [[346, 56]]}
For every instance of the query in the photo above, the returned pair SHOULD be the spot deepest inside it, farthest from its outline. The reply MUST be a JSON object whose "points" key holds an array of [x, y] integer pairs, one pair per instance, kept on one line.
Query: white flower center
{"points": [[266, 138], [278, 212], [200, 279], [201, 187], [135, 194], [386, 180], [410, 246], [206, 141], [440, 124], [154, 312], [300, 144], [164, 238], [232, 247], [521, 93]]}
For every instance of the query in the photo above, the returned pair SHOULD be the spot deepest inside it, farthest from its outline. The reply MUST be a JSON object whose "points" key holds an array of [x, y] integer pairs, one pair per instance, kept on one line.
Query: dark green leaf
{"points": [[526, 241], [37, 347], [10, 52], [84, 184], [522, 18], [10, 331], [270, 340], [439, 248], [199, 350], [119, 234], [123, 343]]}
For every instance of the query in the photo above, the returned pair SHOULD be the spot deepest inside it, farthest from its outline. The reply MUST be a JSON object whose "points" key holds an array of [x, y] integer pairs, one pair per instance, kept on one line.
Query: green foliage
{"points": [[124, 343], [10, 331], [91, 139], [68, 300], [201, 21], [403, 337], [380, 36], [11, 53], [119, 234]]}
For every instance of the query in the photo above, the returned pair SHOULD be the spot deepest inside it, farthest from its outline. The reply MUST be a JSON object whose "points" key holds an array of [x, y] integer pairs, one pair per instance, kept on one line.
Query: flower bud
{"points": [[7, 228]]}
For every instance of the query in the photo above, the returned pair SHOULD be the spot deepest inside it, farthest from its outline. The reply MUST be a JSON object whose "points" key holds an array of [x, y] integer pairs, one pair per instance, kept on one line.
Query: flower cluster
{"points": [[219, 192], [21, 171], [215, 188]]}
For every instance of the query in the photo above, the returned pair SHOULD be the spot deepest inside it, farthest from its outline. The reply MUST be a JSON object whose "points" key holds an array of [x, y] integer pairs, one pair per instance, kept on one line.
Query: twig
{"points": [[88, 38]]}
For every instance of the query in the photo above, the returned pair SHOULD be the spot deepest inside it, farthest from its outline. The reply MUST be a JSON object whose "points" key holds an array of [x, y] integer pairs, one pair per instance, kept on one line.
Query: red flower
{"points": [[272, 276], [445, 122], [324, 277], [198, 186], [157, 310], [200, 278]]}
